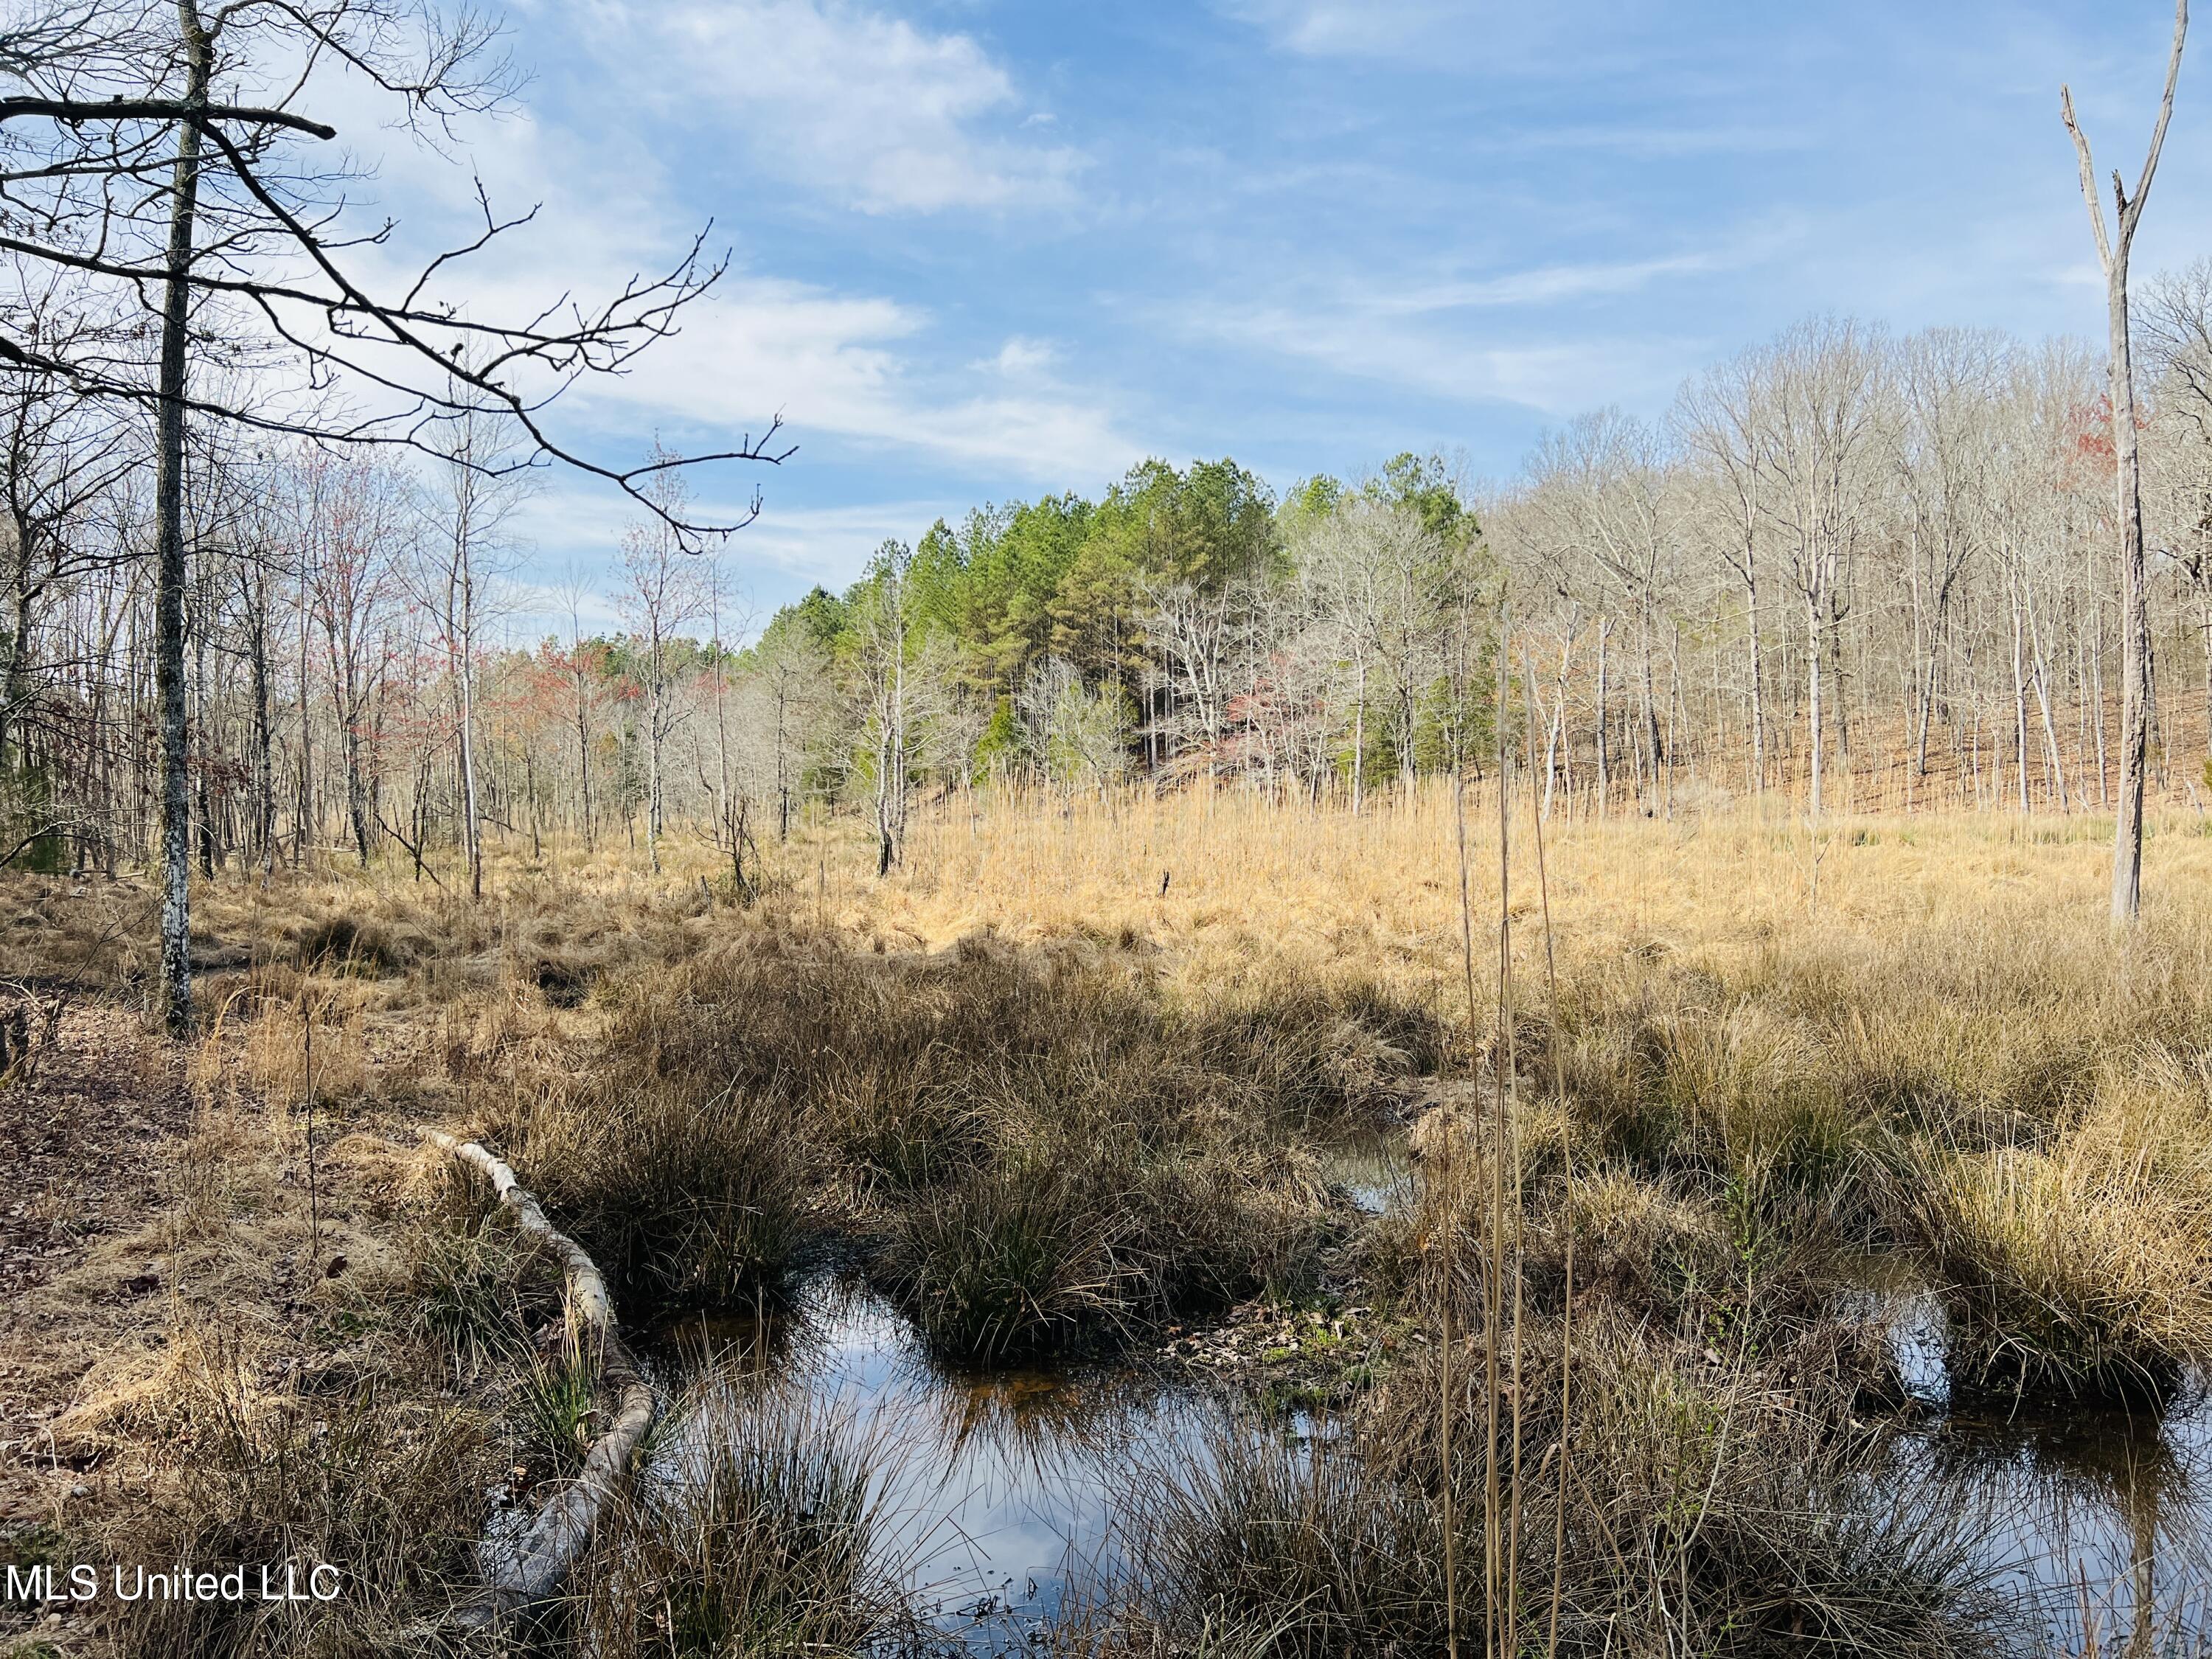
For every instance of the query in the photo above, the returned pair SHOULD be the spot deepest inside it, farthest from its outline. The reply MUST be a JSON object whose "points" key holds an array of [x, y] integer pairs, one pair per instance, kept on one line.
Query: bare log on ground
{"points": [[526, 1570]]}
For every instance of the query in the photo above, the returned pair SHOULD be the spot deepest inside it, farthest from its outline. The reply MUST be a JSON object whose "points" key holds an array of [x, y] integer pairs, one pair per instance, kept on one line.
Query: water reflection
{"points": [[1372, 1171], [999, 1486], [2097, 1518]]}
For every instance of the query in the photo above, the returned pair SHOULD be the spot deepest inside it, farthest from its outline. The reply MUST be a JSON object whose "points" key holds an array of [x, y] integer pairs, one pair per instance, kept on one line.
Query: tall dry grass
{"points": [[1707, 1513], [762, 1529], [1912, 1034], [1064, 1073], [1028, 1151]]}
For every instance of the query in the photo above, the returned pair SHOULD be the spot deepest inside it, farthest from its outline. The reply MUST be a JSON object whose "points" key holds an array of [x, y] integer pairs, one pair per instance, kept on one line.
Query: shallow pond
{"points": [[1002, 1486], [2097, 1517], [999, 1486]]}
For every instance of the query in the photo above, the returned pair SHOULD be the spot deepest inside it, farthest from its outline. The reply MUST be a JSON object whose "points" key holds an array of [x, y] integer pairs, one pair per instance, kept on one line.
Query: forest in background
{"points": [[1853, 569]]}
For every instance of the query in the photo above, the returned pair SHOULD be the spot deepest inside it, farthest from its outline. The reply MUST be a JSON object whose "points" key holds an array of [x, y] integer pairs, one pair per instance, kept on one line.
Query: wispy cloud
{"points": [[834, 362], [860, 104], [1343, 28], [784, 551], [1555, 378], [1490, 337], [1022, 359], [1537, 286], [1552, 284], [1591, 36], [861, 370], [1659, 141], [830, 545]]}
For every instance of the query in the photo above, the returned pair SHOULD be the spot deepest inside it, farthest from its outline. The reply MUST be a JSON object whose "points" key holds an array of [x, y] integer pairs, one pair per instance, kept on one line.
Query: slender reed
{"points": [[1450, 1211], [1567, 1190], [1496, 1532]]}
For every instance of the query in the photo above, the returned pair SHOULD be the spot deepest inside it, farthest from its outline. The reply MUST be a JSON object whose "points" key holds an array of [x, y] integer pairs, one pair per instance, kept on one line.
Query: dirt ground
{"points": [[150, 1200], [89, 1142]]}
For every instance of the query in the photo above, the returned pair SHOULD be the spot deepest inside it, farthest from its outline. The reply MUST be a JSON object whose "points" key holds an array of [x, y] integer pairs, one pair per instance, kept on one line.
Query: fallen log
{"points": [[524, 1571]]}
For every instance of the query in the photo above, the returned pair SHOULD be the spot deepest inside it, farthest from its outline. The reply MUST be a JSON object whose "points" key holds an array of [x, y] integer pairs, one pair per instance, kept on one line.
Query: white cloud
{"points": [[825, 363], [1504, 39], [1343, 28], [832, 363], [1549, 284], [863, 106], [1552, 284], [783, 552], [830, 546], [1022, 359], [530, 612], [1412, 335], [1555, 380]]}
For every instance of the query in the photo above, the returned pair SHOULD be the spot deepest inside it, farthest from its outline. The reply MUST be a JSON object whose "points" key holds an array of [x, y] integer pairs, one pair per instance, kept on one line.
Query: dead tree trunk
{"points": [[2112, 252]]}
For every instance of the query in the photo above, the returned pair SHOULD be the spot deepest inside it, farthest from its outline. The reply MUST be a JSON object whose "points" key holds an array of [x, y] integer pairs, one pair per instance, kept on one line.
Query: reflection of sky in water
{"points": [[2075, 1502], [1002, 1486], [1373, 1172], [999, 1485]]}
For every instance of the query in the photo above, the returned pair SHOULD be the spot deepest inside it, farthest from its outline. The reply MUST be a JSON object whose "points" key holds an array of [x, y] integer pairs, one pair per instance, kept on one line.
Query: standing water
{"points": [[2098, 1516], [1000, 1489]]}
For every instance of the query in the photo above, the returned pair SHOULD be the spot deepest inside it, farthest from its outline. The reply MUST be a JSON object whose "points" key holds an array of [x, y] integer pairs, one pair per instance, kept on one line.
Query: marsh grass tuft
{"points": [[2082, 1262], [759, 1532], [1028, 1155], [374, 1483], [471, 1293], [1709, 1515]]}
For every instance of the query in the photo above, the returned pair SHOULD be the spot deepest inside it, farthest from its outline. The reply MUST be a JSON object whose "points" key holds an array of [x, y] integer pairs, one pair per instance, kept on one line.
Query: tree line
{"points": [[259, 494], [1844, 568]]}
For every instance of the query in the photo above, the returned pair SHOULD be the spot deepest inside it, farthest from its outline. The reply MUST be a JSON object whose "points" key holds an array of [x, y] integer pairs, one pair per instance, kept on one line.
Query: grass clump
{"points": [[1026, 1256], [1706, 1514], [1028, 1155], [471, 1295], [683, 1200], [375, 1482], [374, 946], [758, 1534], [2082, 1262]]}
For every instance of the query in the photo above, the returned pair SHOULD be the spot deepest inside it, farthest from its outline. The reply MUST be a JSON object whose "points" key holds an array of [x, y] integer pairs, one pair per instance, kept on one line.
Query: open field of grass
{"points": [[1068, 1084]]}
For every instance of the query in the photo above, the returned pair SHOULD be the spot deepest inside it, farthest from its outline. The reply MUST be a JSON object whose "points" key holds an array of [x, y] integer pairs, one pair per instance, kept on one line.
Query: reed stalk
{"points": [[1497, 1528], [1566, 1201]]}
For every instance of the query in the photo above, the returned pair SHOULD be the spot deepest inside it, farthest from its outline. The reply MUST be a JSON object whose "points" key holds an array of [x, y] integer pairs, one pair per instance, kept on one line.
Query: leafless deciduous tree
{"points": [[159, 153], [2113, 248], [661, 592]]}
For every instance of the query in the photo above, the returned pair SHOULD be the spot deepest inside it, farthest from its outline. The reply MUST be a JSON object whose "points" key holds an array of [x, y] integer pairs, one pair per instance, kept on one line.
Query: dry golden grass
{"points": [[1907, 1029], [1909, 1026], [1781, 1048], [1249, 879], [1913, 1031]]}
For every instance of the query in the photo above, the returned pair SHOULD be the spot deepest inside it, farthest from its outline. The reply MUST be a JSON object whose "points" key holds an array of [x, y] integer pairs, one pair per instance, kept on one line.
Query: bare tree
{"points": [[1720, 418], [144, 154], [1824, 431], [469, 536], [885, 636], [2113, 248], [1371, 575], [733, 796], [1073, 729], [661, 592], [1603, 485], [361, 520]]}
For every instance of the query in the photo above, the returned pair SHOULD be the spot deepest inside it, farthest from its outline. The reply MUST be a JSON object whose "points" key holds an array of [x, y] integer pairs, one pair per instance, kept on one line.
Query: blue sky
{"points": [[991, 248]]}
